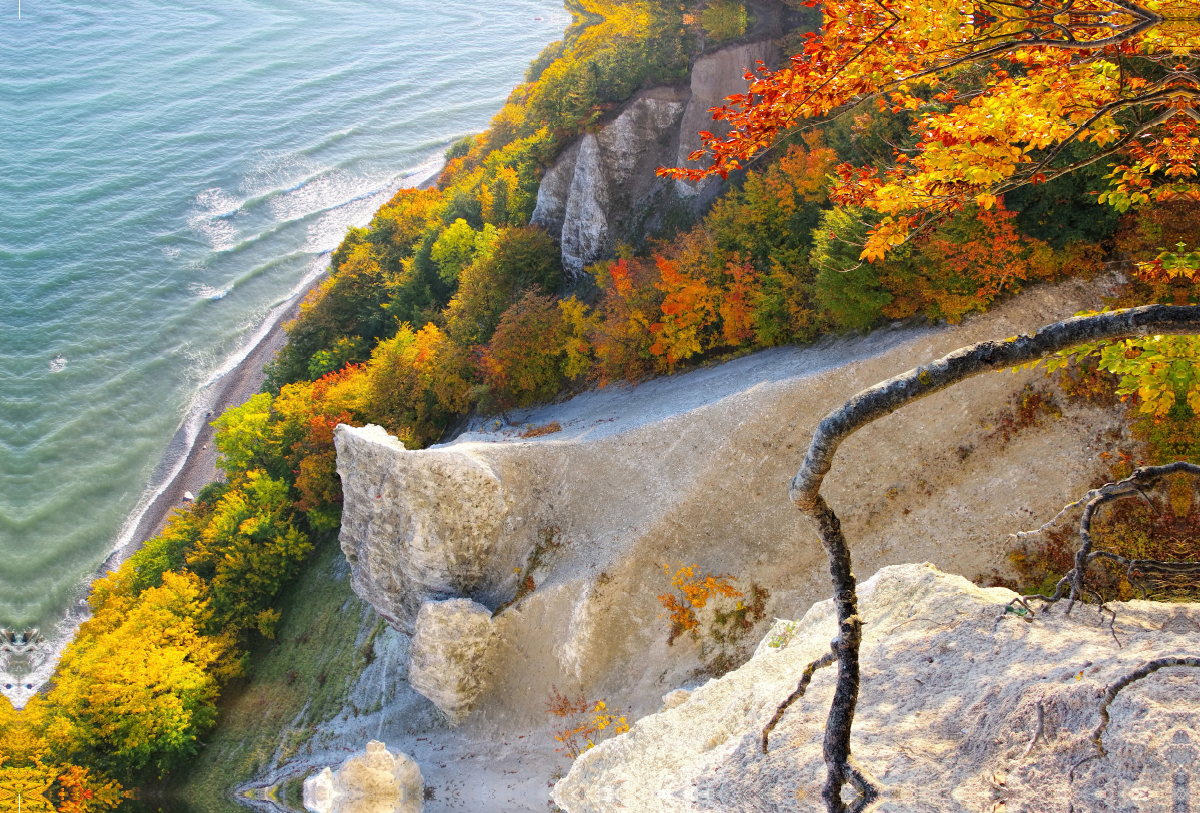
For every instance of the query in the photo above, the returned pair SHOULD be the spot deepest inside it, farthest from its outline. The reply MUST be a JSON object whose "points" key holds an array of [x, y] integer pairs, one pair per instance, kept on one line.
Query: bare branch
{"points": [[805, 679], [884, 399]]}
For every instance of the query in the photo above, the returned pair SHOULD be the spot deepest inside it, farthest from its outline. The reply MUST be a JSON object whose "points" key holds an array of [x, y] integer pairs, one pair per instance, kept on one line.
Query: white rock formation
{"points": [[447, 659], [378, 781], [695, 468], [447, 542], [584, 234], [603, 188], [948, 708], [715, 77]]}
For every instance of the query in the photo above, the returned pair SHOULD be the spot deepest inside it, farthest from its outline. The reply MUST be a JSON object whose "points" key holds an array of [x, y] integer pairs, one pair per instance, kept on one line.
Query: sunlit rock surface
{"points": [[447, 541], [378, 781], [694, 469], [948, 708], [447, 658]]}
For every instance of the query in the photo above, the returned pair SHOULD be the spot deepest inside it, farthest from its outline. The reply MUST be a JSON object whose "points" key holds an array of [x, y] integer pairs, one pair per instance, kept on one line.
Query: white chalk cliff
{"points": [[602, 189]]}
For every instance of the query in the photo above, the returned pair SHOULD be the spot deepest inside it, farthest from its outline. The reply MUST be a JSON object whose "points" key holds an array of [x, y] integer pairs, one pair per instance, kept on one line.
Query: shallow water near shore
{"points": [[170, 173]]}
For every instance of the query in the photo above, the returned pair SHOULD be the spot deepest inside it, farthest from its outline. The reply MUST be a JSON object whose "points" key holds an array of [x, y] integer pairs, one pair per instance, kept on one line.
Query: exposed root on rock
{"points": [[1135, 485], [1040, 732], [1111, 694]]}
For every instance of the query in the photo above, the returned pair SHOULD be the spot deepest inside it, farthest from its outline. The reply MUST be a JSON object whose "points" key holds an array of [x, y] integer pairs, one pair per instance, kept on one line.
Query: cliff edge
{"points": [[565, 536], [954, 693]]}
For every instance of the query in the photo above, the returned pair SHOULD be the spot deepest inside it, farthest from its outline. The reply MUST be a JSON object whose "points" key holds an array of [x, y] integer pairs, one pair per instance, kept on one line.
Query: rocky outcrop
{"points": [[694, 469], [716, 77], [603, 190], [379, 781], [953, 693], [448, 654], [449, 541]]}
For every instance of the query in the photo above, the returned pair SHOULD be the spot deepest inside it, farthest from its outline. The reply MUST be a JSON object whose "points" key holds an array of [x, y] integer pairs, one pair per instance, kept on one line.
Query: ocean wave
{"points": [[207, 291], [328, 141], [211, 222]]}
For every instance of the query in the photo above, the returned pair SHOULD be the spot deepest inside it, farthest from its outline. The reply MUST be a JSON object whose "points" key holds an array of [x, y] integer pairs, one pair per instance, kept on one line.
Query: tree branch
{"points": [[884, 399]]}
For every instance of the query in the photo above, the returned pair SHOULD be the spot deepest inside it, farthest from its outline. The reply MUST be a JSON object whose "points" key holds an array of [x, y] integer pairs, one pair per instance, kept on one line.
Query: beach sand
{"points": [[200, 466]]}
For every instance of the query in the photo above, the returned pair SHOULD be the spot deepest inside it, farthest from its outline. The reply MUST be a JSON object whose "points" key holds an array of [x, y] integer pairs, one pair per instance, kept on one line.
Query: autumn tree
{"points": [[525, 361], [1000, 93], [137, 687]]}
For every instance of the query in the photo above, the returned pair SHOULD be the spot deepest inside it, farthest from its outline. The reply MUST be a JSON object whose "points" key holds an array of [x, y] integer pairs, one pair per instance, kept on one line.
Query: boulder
{"points": [[378, 781], [963, 707], [448, 654]]}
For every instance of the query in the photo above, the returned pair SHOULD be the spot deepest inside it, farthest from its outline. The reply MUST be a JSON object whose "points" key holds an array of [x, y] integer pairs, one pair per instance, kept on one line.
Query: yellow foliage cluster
{"points": [[587, 723], [34, 778]]}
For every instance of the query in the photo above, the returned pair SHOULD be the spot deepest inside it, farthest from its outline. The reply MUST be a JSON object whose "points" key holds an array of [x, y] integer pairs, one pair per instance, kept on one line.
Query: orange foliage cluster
{"points": [[1004, 100], [696, 592]]}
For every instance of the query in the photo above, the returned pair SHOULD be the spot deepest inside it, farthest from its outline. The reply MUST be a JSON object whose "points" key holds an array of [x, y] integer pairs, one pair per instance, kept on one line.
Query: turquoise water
{"points": [[154, 155]]}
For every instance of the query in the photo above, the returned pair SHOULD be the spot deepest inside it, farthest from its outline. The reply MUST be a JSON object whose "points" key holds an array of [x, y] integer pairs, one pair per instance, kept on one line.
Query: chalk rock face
{"points": [[447, 658], [694, 468], [555, 190], [447, 540], [715, 77], [948, 707], [379, 781], [612, 186], [585, 221], [603, 190]]}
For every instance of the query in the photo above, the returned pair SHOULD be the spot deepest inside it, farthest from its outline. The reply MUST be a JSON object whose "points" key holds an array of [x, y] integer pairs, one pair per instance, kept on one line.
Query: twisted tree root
{"points": [[1135, 485], [1111, 694]]}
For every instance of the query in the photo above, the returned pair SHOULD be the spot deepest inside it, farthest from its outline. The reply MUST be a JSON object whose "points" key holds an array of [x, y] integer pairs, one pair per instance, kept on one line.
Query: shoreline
{"points": [[197, 466], [188, 464], [233, 388]]}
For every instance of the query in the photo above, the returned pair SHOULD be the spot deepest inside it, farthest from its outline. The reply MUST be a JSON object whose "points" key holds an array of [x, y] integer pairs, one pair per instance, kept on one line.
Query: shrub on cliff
{"points": [[248, 550], [525, 361]]}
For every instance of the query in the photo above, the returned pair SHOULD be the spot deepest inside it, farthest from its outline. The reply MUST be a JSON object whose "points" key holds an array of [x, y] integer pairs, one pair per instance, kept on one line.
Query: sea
{"points": [[170, 172]]}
